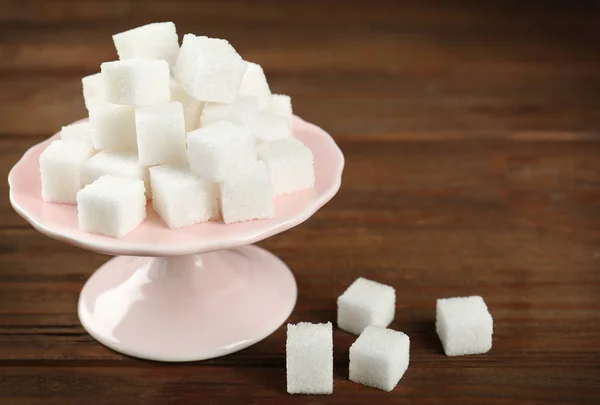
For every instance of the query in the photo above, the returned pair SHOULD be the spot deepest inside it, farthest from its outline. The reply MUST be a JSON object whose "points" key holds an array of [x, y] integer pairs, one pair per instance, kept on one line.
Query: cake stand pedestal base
{"points": [[187, 308]]}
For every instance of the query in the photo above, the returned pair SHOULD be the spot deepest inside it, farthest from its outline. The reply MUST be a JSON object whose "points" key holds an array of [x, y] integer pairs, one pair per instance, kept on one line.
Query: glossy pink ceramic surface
{"points": [[153, 237], [190, 307]]}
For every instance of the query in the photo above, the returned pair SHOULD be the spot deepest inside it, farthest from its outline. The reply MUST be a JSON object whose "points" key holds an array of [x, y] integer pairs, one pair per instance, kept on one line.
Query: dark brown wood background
{"points": [[472, 138]]}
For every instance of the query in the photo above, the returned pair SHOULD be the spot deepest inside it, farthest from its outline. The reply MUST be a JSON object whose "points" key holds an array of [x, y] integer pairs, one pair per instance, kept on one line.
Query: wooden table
{"points": [[473, 167]]}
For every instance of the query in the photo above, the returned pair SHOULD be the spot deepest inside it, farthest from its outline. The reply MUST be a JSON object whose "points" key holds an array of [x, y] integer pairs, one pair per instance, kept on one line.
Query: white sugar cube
{"points": [[243, 111], [151, 41], [161, 137], [94, 89], [365, 303], [192, 108], [464, 325], [181, 198], [111, 206], [280, 105], [290, 164], [254, 83], [248, 195], [60, 169], [221, 150], [309, 358], [379, 358], [271, 127], [115, 164], [113, 127], [78, 132], [136, 82], [209, 69]]}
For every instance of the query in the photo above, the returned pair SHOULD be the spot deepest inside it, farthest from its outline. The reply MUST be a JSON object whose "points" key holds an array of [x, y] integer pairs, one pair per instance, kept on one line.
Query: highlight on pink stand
{"points": [[184, 294]]}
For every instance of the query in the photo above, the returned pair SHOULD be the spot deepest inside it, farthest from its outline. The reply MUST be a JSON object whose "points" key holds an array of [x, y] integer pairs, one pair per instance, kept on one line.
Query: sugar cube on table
{"points": [[243, 111], [115, 164], [137, 82], [209, 69], [247, 195], [60, 170], [280, 105], [290, 164], [379, 358], [309, 358], [150, 41], [365, 303], [113, 127], [221, 150], [161, 137], [254, 83], [78, 132], [94, 89], [271, 127], [464, 325], [192, 108], [111, 206], [181, 198]]}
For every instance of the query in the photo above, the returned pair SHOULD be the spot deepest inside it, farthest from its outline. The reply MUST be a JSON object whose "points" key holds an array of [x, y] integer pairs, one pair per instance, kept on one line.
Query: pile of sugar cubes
{"points": [[194, 128], [380, 356]]}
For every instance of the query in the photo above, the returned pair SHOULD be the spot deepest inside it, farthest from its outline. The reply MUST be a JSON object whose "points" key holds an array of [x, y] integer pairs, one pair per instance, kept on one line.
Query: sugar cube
{"points": [[94, 89], [151, 41], [115, 164], [113, 127], [243, 111], [78, 132], [464, 325], [270, 127], [379, 358], [309, 358], [248, 195], [209, 69], [161, 137], [136, 82], [365, 303], [182, 198], [220, 150], [111, 206], [192, 108], [60, 170], [280, 105], [290, 164], [254, 83]]}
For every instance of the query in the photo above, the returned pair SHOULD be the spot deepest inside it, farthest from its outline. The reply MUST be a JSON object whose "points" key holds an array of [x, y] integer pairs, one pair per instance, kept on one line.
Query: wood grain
{"points": [[473, 167]]}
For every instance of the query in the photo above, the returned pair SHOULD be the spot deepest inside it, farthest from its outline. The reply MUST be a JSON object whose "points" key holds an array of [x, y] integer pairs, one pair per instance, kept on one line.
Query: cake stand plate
{"points": [[184, 294]]}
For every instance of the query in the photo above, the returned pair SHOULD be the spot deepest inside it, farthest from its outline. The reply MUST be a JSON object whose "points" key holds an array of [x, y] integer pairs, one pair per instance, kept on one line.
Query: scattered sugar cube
{"points": [[280, 105], [290, 164], [60, 169], [113, 127], [271, 127], [115, 164], [161, 137], [209, 69], [366, 303], [151, 41], [111, 206], [221, 150], [94, 89], [248, 195], [309, 358], [181, 198], [192, 108], [379, 358], [464, 325], [243, 111], [78, 132], [254, 83], [136, 82]]}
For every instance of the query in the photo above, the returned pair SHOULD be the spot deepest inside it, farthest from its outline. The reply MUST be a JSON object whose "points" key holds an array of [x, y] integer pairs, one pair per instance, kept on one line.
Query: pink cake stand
{"points": [[187, 294]]}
